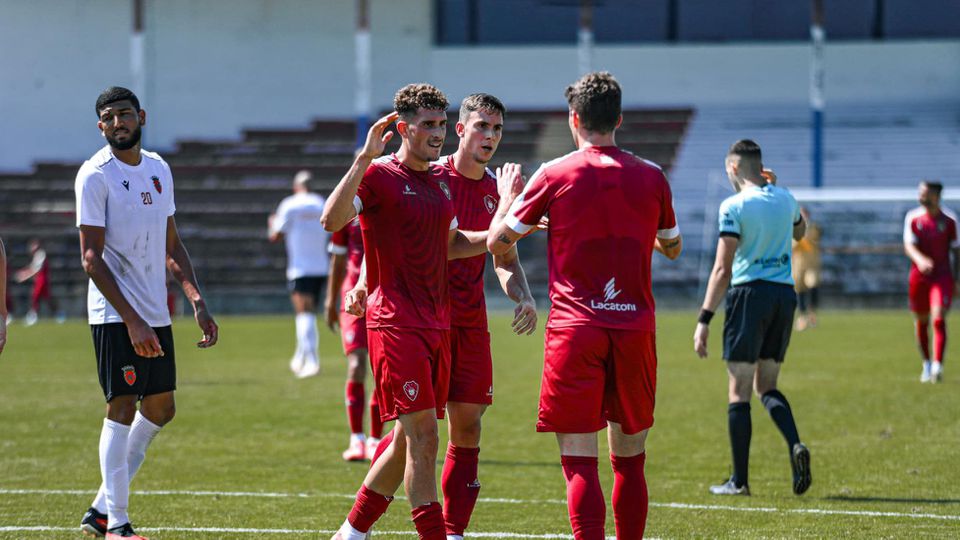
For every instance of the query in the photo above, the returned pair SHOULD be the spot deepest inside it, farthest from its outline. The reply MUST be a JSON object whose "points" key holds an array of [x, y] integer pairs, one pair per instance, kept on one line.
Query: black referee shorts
{"points": [[123, 372], [759, 319], [315, 286]]}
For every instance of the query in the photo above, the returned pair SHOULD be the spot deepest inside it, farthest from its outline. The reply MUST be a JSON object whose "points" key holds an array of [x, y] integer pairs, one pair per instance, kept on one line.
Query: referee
{"points": [[753, 256]]}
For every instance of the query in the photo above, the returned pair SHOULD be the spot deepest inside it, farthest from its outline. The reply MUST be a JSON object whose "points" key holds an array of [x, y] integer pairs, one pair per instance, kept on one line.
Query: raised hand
{"points": [[376, 138], [510, 181]]}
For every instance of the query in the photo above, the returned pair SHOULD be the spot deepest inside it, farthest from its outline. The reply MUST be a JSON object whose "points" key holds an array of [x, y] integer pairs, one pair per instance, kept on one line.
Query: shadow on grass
{"points": [[847, 498]]}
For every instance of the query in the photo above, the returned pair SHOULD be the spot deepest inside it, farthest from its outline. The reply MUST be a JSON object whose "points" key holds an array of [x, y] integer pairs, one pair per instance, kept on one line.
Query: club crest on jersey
{"points": [[129, 375], [490, 203], [156, 184], [446, 190], [411, 389]]}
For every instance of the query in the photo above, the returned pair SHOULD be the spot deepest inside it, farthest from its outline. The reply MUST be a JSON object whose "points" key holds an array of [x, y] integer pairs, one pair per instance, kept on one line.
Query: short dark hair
{"points": [[481, 102], [114, 94], [745, 148], [935, 187], [596, 100], [413, 97]]}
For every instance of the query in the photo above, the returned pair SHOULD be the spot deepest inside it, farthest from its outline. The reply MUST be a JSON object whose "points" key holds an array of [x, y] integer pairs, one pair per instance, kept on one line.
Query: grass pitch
{"points": [[255, 453]]}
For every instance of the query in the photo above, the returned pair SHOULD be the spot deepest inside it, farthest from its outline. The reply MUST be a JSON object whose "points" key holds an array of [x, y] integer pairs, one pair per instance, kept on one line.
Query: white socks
{"points": [[347, 532], [138, 438], [307, 337], [113, 470]]}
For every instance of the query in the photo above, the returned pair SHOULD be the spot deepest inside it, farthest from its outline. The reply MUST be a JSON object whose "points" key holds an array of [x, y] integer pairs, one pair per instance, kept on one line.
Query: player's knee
{"points": [[356, 367], [423, 436], [122, 410], [466, 433]]}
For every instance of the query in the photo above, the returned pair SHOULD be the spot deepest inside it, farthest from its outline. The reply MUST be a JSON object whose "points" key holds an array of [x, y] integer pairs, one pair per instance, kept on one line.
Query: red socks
{"points": [[923, 338], [584, 497], [629, 496], [460, 487], [355, 405], [367, 509], [939, 339], [428, 519], [376, 425]]}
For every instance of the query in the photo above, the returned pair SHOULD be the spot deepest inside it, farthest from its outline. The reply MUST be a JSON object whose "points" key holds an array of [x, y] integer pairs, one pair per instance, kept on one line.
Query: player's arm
{"points": [[799, 229], [464, 244], [355, 301], [501, 238], [716, 288], [32, 269], [338, 272], [179, 264], [669, 247], [924, 264], [144, 339], [513, 281], [339, 208], [274, 234], [3, 296]]}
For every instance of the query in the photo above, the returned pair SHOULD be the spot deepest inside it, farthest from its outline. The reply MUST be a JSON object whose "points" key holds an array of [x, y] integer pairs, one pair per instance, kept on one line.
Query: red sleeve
{"points": [[668, 218], [533, 203], [339, 238], [367, 190]]}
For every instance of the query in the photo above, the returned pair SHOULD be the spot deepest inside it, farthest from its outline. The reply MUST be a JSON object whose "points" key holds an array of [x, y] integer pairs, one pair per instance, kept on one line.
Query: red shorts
{"points": [[925, 292], [471, 366], [592, 375], [411, 367], [353, 332], [41, 291]]}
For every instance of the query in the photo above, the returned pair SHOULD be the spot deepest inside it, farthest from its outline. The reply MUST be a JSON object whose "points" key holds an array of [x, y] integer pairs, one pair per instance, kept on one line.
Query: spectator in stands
{"points": [[39, 271], [3, 292], [297, 223], [806, 273]]}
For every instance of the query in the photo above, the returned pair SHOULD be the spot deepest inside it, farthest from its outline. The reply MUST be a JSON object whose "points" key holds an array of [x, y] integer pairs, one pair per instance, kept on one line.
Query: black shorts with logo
{"points": [[312, 285], [124, 373], [759, 319]]}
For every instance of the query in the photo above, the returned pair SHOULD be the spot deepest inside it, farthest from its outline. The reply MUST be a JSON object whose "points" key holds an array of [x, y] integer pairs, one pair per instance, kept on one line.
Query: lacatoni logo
{"points": [[610, 292]]}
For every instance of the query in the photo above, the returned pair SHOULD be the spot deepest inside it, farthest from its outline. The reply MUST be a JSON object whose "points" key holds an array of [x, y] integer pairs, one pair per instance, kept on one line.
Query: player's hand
{"points": [[510, 182], [770, 176], [143, 338], [208, 325], [330, 315], [525, 318], [542, 225], [700, 336], [378, 136], [3, 331], [925, 265], [355, 301]]}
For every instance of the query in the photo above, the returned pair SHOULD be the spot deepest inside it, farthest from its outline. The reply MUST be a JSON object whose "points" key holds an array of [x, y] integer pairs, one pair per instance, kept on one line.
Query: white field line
{"points": [[237, 530], [674, 505]]}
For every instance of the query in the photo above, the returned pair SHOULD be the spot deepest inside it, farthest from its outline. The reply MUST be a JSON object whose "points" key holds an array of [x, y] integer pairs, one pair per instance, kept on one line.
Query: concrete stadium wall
{"points": [[217, 67]]}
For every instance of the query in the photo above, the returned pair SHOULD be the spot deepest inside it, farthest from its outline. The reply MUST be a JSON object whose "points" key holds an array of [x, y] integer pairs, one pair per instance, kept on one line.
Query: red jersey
{"points": [[349, 241], [406, 217], [474, 202], [934, 237], [606, 209]]}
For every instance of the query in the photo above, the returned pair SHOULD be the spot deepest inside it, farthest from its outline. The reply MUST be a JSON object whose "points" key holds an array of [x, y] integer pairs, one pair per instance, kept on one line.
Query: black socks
{"points": [[738, 419]]}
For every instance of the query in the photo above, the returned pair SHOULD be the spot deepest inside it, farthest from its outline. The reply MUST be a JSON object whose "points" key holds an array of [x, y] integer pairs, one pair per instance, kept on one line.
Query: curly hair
{"points": [[480, 102], [114, 94], [596, 99], [413, 97]]}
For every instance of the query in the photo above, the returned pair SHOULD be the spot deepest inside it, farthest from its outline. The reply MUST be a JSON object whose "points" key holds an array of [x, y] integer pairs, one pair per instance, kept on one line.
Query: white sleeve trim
{"points": [[357, 204], [908, 236], [669, 234], [516, 225], [454, 224], [334, 249]]}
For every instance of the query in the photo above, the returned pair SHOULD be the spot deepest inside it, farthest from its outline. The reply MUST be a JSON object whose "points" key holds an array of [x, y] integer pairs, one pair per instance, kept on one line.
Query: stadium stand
{"points": [[226, 189]]}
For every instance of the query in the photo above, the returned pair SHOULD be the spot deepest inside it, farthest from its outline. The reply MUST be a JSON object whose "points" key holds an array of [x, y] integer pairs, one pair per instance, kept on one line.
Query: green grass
{"points": [[880, 441]]}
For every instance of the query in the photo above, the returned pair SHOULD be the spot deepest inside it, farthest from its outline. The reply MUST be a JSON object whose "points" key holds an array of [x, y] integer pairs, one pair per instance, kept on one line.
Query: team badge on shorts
{"points": [[156, 184], [411, 389], [129, 375], [350, 335], [446, 190], [490, 203]]}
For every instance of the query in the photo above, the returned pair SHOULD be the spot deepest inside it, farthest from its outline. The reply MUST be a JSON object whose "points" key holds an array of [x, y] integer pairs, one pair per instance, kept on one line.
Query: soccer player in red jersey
{"points": [[475, 199], [39, 270], [929, 237], [609, 210], [346, 255], [409, 232]]}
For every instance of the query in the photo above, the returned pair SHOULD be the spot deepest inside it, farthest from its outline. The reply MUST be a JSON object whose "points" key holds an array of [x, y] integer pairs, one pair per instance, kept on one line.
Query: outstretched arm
{"points": [[716, 288], [465, 244], [501, 237], [513, 281], [670, 248], [339, 209], [179, 264]]}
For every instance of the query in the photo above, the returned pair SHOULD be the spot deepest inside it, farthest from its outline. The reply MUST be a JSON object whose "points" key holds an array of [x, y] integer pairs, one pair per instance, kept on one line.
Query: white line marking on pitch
{"points": [[237, 530], [674, 505]]}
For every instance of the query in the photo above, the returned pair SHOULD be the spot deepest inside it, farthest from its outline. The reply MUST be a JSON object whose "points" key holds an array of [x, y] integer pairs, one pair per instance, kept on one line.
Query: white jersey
{"points": [[298, 218], [132, 204]]}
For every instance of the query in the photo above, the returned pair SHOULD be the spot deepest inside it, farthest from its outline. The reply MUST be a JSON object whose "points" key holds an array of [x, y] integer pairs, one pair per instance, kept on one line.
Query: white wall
{"points": [[216, 67]]}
